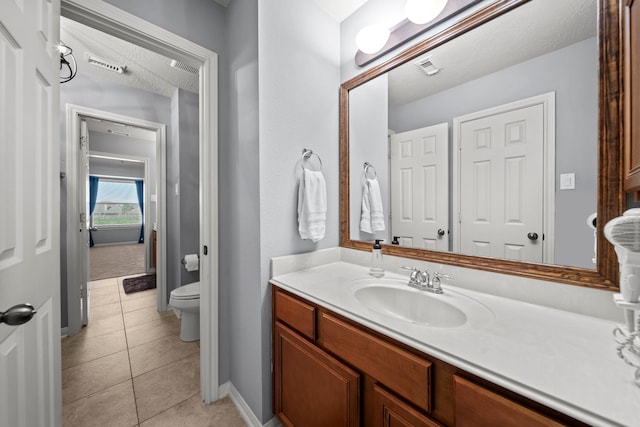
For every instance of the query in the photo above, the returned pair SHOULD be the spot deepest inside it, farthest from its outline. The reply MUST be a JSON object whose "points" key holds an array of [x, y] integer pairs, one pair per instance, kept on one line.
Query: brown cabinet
{"points": [[312, 389], [390, 411], [332, 371], [631, 35], [478, 406]]}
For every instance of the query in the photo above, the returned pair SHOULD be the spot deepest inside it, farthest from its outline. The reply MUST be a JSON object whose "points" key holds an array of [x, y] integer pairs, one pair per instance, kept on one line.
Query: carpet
{"points": [[116, 260], [140, 283]]}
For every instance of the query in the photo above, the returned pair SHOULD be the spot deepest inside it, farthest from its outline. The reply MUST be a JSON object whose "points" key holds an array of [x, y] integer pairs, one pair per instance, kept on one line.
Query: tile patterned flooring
{"points": [[129, 368]]}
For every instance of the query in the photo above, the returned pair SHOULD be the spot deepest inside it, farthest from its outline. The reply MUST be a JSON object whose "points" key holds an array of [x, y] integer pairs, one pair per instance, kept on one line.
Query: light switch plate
{"points": [[568, 181]]}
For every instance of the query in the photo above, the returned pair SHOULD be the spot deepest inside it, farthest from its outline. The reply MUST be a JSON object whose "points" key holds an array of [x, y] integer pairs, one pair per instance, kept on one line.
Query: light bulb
{"points": [[423, 11], [372, 38]]}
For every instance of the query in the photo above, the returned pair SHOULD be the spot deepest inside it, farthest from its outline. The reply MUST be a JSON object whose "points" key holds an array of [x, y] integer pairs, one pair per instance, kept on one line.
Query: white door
{"points": [[501, 197], [84, 221], [420, 187], [30, 385]]}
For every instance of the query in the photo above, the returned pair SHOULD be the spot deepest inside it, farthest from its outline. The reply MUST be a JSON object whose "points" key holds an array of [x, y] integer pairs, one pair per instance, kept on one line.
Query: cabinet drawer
{"points": [[401, 371], [389, 411], [295, 313], [476, 405]]}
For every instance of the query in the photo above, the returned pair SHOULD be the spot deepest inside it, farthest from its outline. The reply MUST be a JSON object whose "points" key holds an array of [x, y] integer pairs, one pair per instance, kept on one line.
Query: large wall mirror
{"points": [[494, 144]]}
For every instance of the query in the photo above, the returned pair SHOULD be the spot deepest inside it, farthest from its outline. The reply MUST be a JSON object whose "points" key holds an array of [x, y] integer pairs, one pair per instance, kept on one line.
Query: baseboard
{"points": [[97, 245], [245, 411]]}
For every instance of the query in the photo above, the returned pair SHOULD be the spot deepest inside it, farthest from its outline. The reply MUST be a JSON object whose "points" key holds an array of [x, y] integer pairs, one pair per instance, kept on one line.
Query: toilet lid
{"points": [[190, 291]]}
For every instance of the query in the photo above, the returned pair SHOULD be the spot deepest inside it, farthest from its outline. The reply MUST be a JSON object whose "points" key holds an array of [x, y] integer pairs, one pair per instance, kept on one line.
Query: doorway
{"points": [[112, 21]]}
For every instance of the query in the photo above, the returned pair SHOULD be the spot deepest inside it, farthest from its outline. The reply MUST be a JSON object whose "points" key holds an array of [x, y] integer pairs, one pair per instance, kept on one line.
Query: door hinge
{"points": [[83, 141]]}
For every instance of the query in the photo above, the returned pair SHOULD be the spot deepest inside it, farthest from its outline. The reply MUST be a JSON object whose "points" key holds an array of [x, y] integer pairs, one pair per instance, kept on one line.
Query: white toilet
{"points": [[185, 301]]}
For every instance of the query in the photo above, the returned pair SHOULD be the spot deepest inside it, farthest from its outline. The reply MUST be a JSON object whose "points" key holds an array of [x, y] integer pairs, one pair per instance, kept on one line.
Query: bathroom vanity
{"points": [[344, 355]]}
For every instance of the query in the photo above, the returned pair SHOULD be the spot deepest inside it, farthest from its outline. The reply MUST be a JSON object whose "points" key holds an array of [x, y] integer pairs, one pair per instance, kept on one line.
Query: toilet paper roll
{"points": [[191, 262]]}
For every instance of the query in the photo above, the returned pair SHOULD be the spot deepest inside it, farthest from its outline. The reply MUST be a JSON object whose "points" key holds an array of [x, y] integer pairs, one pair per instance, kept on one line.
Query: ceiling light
{"points": [[423, 11], [372, 38]]}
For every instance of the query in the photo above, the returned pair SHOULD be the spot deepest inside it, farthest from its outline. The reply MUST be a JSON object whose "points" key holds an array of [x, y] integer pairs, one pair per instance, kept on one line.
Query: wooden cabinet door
{"points": [[478, 406], [390, 411], [311, 388], [632, 94]]}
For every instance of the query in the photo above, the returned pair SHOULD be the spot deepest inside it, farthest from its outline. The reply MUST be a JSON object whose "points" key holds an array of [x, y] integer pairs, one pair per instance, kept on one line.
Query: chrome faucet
{"points": [[423, 281]]}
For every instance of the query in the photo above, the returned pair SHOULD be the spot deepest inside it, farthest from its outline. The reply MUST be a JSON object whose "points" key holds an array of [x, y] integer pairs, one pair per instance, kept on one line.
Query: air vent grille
{"points": [[185, 67], [427, 66], [120, 69]]}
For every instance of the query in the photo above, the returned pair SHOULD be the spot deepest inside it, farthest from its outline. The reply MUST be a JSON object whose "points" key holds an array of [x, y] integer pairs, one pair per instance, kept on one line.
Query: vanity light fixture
{"points": [[423, 11], [372, 38], [375, 40]]}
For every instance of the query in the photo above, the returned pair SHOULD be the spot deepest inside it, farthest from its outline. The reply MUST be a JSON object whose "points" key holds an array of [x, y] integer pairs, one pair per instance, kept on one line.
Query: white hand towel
{"points": [[312, 205], [372, 216]]}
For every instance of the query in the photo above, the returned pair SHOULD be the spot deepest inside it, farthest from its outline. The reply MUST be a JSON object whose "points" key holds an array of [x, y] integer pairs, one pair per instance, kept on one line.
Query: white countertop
{"points": [[563, 360]]}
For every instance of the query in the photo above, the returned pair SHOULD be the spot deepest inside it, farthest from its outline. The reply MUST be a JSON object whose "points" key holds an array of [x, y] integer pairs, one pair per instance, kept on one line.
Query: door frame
{"points": [[116, 22], [548, 102], [75, 242]]}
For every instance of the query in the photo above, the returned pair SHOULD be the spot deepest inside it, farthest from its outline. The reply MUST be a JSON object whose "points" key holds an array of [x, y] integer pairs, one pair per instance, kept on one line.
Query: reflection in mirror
{"points": [[486, 145]]}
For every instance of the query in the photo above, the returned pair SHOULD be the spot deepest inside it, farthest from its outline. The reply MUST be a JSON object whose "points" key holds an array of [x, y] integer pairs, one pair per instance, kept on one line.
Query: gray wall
{"points": [[240, 209], [298, 93], [189, 180], [571, 74], [368, 142]]}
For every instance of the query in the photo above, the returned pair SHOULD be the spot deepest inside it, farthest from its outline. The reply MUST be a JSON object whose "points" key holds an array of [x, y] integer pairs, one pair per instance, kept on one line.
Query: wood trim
{"points": [[631, 97], [611, 197]]}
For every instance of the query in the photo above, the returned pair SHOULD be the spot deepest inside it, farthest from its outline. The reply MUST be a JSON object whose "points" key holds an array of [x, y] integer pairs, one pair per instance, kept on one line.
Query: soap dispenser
{"points": [[376, 269]]}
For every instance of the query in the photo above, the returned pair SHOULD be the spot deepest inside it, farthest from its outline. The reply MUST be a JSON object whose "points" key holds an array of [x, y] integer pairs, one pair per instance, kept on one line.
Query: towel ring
{"points": [[368, 166], [307, 154]]}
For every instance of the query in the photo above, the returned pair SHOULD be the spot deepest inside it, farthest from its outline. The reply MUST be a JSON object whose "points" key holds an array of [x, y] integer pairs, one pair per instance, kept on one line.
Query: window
{"points": [[116, 204]]}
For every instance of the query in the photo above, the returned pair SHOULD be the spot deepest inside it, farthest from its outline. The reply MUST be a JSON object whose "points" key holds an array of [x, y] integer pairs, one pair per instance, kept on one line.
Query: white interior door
{"points": [[420, 187], [84, 222], [501, 189], [30, 385]]}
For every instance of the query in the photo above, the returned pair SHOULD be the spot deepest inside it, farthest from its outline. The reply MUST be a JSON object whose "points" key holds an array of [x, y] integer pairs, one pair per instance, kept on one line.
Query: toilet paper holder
{"points": [[184, 261]]}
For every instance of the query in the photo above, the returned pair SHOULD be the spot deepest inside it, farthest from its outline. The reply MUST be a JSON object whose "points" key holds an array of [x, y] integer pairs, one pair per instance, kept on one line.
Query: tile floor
{"points": [[129, 368]]}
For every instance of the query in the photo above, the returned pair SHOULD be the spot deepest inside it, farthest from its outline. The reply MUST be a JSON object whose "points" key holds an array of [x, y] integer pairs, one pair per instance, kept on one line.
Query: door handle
{"points": [[18, 314], [532, 236], [441, 232]]}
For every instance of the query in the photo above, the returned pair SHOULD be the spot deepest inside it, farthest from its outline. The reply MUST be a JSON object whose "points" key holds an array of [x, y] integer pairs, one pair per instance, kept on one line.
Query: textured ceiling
{"points": [[144, 69], [531, 30]]}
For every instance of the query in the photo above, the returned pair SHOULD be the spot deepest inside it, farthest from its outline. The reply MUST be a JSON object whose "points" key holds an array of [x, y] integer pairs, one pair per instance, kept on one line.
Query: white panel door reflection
{"points": [[419, 175]]}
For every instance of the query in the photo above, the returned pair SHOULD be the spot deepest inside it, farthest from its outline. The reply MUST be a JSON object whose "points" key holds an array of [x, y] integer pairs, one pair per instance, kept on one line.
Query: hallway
{"points": [[129, 368]]}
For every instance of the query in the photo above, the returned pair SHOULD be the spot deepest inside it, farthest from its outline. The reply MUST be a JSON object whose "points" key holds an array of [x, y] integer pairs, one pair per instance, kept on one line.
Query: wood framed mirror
{"points": [[610, 194]]}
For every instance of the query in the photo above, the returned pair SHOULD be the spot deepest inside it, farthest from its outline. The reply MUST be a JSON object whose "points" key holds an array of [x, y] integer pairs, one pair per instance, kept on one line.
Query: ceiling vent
{"points": [[120, 69], [427, 66], [185, 67]]}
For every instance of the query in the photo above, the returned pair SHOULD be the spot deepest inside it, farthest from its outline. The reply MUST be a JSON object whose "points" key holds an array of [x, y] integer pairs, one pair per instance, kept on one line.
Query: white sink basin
{"points": [[447, 310]]}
